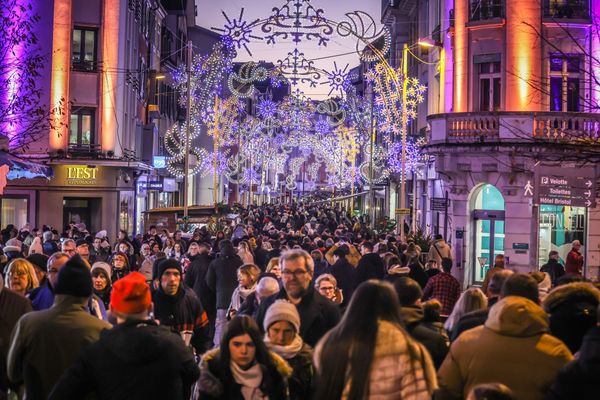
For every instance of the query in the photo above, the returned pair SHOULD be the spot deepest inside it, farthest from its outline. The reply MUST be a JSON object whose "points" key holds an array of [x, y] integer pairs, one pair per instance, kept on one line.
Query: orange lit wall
{"points": [[523, 56], [461, 56], [59, 87], [110, 56]]}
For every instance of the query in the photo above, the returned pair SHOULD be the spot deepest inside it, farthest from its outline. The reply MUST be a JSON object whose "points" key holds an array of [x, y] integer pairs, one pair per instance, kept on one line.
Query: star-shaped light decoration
{"points": [[238, 32]]}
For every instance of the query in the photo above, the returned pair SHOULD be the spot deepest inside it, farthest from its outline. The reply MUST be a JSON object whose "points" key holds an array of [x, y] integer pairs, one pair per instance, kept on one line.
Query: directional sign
{"points": [[560, 186], [402, 211], [438, 204]]}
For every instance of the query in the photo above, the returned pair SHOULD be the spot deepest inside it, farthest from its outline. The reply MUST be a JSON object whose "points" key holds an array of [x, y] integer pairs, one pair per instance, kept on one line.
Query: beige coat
{"points": [[513, 348], [393, 376]]}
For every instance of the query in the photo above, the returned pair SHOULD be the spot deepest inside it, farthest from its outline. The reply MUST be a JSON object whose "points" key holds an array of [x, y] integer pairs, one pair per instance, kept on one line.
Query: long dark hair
{"points": [[350, 346], [238, 326]]}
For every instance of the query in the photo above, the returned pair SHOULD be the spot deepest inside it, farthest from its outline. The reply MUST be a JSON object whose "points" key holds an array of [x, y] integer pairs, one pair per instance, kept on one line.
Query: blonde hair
{"points": [[325, 277], [471, 299], [21, 264], [273, 262], [250, 270]]}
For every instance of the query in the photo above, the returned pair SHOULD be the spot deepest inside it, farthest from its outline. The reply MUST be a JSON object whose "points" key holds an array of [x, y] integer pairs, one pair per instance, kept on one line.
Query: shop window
{"points": [[486, 9], [82, 127], [83, 56], [559, 226], [565, 78], [14, 211], [490, 86]]}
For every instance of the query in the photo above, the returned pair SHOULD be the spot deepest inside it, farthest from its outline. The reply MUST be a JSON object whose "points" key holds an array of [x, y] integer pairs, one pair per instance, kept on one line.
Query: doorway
{"points": [[84, 211], [488, 230]]}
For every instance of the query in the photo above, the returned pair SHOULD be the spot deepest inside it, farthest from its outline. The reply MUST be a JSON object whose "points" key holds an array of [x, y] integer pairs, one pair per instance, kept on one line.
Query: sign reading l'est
{"points": [[82, 175]]}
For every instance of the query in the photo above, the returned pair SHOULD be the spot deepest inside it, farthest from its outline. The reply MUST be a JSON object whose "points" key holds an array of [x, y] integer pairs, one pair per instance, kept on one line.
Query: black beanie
{"points": [[166, 264], [39, 260], [74, 278]]}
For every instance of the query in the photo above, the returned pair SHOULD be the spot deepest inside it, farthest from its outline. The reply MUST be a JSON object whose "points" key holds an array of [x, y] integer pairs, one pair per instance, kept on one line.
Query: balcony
{"points": [[511, 127], [566, 9]]}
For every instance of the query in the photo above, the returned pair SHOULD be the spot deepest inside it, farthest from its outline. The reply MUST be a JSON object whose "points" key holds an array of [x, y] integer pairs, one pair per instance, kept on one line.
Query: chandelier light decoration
{"points": [[265, 139]]}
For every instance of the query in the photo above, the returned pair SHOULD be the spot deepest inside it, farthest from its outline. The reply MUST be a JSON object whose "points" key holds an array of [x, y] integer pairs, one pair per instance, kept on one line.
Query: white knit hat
{"points": [[282, 310], [102, 265]]}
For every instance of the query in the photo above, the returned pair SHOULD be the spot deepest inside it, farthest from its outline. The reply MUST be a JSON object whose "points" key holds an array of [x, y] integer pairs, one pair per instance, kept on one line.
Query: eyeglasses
{"points": [[326, 288], [297, 273]]}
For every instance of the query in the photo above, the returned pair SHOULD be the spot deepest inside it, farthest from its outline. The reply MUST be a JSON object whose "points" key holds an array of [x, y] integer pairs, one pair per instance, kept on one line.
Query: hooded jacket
{"points": [[433, 341], [217, 384], [572, 310], [513, 348], [579, 378], [134, 360]]}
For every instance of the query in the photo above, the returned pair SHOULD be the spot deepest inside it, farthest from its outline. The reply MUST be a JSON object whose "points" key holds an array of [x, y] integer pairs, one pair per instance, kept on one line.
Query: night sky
{"points": [[209, 15]]}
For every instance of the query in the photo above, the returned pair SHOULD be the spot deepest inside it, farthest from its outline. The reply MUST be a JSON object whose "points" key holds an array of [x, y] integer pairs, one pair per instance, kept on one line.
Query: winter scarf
{"points": [[289, 351], [239, 295], [250, 379]]}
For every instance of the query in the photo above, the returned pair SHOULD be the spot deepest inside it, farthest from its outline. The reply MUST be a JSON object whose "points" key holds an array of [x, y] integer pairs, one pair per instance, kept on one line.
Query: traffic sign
{"points": [[559, 186]]}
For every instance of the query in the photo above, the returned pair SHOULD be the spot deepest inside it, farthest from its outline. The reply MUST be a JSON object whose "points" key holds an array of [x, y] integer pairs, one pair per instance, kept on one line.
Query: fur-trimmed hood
{"points": [[213, 385], [571, 293]]}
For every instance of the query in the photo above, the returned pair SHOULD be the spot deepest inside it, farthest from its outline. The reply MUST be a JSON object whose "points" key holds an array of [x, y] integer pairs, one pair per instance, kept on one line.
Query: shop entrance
{"points": [[82, 211], [488, 229]]}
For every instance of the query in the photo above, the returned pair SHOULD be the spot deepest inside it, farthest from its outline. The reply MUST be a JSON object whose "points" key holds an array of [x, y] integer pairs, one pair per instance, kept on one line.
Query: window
{"points": [[14, 210], [82, 127], [565, 81], [83, 57], [577, 9], [489, 86], [486, 9]]}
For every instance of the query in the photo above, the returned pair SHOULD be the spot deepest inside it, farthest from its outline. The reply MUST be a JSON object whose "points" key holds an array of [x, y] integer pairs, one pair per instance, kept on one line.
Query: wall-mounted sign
{"points": [[169, 185], [82, 175], [520, 246], [159, 162]]}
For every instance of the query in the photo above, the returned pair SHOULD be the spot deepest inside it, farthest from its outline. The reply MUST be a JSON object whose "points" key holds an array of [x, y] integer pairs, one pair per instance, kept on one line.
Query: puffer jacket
{"points": [[216, 384], [572, 310], [393, 375], [513, 347]]}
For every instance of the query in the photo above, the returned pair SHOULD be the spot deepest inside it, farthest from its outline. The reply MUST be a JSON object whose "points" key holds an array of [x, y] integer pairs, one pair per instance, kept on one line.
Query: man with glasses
{"points": [[42, 297], [69, 247], [317, 314]]}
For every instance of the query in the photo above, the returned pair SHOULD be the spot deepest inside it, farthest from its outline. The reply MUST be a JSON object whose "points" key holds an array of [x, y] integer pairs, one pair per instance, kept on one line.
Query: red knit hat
{"points": [[131, 294]]}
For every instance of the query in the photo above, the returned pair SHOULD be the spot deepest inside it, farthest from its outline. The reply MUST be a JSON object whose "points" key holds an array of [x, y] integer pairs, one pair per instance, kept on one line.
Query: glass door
{"points": [[488, 239]]}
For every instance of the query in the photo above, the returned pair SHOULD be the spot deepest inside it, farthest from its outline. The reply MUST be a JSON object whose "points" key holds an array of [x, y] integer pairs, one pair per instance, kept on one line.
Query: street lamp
{"points": [[427, 43]]}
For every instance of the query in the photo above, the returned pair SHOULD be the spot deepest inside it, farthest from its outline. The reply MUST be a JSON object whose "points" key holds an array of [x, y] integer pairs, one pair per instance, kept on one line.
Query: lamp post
{"points": [[428, 43]]}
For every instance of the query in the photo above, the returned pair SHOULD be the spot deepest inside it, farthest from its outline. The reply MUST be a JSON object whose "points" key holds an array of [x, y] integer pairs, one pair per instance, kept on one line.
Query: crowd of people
{"points": [[288, 302]]}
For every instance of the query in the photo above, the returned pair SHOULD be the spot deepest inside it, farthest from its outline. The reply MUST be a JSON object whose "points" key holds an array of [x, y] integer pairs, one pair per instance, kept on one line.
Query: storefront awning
{"points": [[23, 168]]}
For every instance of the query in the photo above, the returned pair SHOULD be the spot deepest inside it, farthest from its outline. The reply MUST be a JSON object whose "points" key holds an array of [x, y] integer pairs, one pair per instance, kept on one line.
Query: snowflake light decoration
{"points": [[338, 79], [266, 109], [238, 31], [322, 127]]}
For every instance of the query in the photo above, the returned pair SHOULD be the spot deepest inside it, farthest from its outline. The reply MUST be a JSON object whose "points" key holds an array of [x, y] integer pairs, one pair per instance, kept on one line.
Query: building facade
{"points": [[522, 93]]}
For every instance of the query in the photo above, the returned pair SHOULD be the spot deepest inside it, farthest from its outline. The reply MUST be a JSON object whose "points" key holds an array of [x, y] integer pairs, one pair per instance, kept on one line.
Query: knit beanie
{"points": [[104, 267], [267, 286], [130, 294], [282, 310], [74, 278], [39, 260], [168, 263]]}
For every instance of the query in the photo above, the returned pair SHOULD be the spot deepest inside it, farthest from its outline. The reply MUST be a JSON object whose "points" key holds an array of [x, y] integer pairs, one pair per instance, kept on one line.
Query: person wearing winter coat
{"points": [[221, 279], [177, 307], [574, 263], [553, 267], [409, 294], [572, 309], [247, 277], [317, 314], [195, 278], [513, 348], [12, 307], [439, 250], [45, 343], [120, 266], [498, 266], [344, 273], [282, 325], [101, 281], [137, 359], [370, 265], [380, 360], [242, 368], [579, 378]]}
